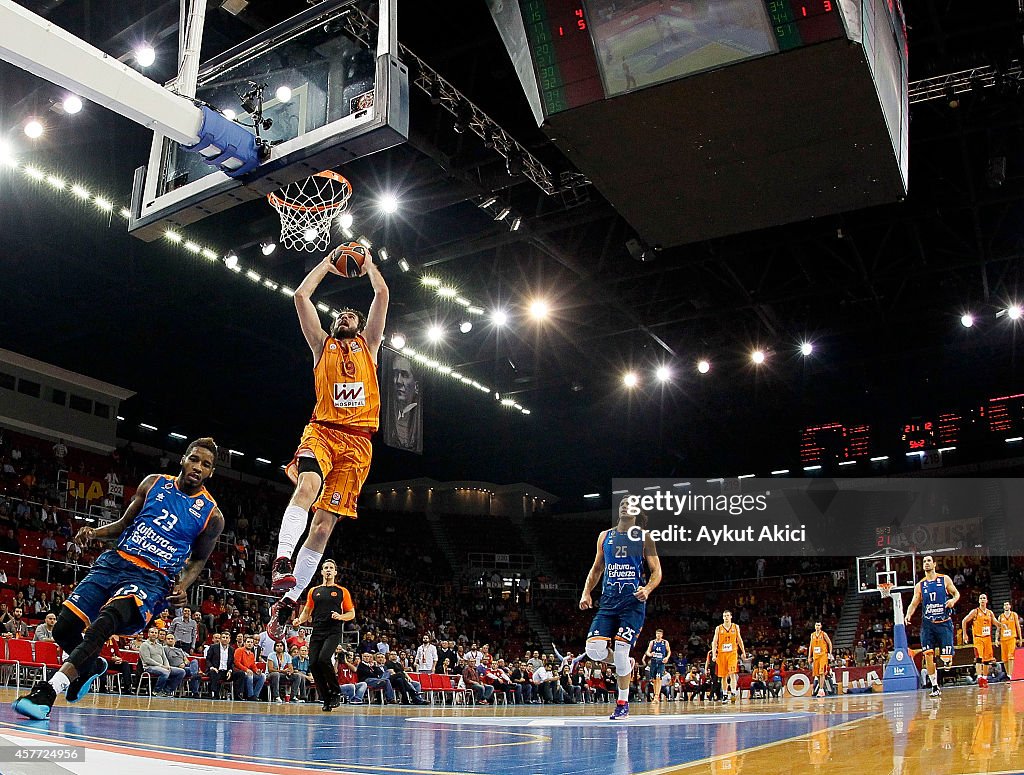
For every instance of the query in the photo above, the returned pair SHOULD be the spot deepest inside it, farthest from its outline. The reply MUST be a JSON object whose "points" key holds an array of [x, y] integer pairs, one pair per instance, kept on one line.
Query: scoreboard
{"points": [[588, 50]]}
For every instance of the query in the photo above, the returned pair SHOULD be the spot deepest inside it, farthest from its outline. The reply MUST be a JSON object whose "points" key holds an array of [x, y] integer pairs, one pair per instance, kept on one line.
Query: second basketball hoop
{"points": [[307, 207]]}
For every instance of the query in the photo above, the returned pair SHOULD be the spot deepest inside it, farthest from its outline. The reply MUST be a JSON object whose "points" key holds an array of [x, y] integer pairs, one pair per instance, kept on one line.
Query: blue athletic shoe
{"points": [[37, 703], [81, 685], [621, 712]]}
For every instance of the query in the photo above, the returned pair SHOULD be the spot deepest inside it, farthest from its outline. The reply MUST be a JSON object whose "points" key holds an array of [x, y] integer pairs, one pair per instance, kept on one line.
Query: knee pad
{"points": [[67, 631], [597, 649], [622, 663]]}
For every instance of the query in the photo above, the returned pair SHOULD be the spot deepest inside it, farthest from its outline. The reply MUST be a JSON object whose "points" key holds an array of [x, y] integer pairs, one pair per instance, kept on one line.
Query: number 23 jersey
{"points": [[167, 525]]}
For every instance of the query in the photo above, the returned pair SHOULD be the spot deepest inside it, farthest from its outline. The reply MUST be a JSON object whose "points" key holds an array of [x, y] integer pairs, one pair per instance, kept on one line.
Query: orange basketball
{"points": [[348, 258]]}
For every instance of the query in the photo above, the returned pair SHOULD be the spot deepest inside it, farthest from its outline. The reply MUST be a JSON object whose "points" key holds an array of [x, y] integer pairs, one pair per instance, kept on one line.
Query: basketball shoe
{"points": [[282, 579], [37, 703], [280, 614], [621, 712], [81, 685]]}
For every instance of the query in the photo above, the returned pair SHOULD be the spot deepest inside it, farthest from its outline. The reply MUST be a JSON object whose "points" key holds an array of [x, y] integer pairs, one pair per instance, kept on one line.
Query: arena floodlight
{"points": [[231, 260], [806, 348], [283, 94], [345, 220], [398, 341], [703, 366], [145, 55], [388, 204], [435, 333], [34, 128], [630, 379], [1014, 311], [268, 247], [539, 309], [967, 320], [72, 104], [757, 357], [499, 317], [663, 373], [465, 327]]}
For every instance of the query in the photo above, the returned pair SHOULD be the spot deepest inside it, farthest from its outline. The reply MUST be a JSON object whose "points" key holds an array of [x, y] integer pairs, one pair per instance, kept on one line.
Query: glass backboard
{"points": [[332, 92]]}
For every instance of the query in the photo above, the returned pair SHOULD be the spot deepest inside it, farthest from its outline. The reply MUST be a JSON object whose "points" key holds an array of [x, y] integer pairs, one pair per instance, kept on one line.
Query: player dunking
{"points": [[1009, 637], [658, 652], [333, 457], [819, 652], [983, 620], [170, 527], [619, 564], [727, 645], [939, 596]]}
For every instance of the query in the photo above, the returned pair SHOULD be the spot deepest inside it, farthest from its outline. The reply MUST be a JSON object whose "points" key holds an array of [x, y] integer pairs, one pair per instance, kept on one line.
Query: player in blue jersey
{"points": [[658, 653], [939, 596], [163, 542], [619, 565]]}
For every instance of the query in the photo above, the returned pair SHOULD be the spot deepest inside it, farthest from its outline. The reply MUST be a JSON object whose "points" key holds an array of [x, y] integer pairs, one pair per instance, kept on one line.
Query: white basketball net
{"points": [[307, 207]]}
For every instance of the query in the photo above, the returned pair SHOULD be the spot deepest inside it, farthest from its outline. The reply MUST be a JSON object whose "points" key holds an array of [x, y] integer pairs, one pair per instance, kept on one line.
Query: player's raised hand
{"points": [[85, 535], [586, 602]]}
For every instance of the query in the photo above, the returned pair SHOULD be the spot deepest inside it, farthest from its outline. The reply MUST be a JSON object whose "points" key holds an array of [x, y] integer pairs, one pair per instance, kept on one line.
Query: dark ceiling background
{"points": [[879, 291]]}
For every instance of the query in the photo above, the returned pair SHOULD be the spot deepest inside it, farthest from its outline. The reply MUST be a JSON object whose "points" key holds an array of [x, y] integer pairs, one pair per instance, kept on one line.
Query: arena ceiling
{"points": [[879, 291]]}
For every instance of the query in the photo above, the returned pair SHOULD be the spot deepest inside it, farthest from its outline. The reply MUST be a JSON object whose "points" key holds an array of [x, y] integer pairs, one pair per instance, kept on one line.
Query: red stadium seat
{"points": [[48, 653]]}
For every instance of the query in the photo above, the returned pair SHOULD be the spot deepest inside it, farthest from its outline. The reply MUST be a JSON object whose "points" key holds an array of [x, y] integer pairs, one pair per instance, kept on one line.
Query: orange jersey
{"points": [[1009, 626], [819, 645], [983, 623], [346, 385], [728, 640]]}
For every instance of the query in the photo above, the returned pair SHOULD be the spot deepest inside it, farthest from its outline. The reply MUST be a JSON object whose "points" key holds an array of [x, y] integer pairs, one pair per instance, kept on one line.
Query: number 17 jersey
{"points": [[162, 534]]}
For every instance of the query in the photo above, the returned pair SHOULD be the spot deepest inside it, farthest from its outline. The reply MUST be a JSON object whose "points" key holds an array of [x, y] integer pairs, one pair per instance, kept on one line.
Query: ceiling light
{"points": [[283, 94], [703, 366], [664, 374], [502, 213], [630, 379], [345, 220], [432, 282], [72, 104], [310, 235], [516, 223], [435, 333], [388, 204], [806, 348], [145, 55], [34, 129], [539, 309], [382, 254], [499, 317], [231, 260], [489, 201], [104, 204], [268, 247], [967, 320], [398, 341], [7, 155], [403, 264], [1014, 311], [465, 327], [757, 357]]}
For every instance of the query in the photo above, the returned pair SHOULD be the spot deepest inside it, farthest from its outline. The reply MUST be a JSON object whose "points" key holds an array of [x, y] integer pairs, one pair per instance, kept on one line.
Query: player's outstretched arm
{"points": [[309, 318], [596, 570], [374, 331], [201, 551], [113, 530]]}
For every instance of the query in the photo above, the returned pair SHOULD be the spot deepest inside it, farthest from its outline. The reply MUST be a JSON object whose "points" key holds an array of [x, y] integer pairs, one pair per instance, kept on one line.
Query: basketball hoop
{"points": [[885, 588], [307, 208]]}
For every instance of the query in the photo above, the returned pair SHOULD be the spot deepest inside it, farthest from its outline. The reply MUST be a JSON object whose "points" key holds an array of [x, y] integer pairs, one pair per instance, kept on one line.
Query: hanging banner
{"points": [[401, 388]]}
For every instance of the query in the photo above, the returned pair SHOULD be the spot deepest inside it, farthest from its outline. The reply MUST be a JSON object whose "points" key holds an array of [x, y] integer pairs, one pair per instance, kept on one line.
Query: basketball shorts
{"points": [[983, 649], [657, 668], [1007, 647], [624, 626], [819, 666], [727, 664], [938, 636], [113, 577], [344, 460]]}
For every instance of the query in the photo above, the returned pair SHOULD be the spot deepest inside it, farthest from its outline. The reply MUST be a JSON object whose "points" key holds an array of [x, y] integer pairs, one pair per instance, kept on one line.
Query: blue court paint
{"points": [[574, 745]]}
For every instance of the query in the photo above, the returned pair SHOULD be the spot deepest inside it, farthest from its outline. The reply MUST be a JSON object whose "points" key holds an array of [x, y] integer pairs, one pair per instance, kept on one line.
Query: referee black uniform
{"points": [[321, 602]]}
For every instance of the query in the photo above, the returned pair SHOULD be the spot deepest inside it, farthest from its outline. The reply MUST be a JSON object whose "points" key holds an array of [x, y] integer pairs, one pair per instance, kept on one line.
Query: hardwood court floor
{"points": [[968, 730]]}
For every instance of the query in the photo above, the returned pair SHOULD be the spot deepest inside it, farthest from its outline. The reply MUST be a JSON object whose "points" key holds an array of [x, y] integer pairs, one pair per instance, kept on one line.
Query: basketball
{"points": [[349, 257]]}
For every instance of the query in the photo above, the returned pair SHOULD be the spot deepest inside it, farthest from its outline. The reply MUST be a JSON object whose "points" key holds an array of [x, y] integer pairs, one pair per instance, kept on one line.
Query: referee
{"points": [[329, 606]]}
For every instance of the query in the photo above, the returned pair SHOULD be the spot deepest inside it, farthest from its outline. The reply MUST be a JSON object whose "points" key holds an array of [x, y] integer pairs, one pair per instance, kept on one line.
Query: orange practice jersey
{"points": [[1009, 626], [819, 647], [728, 640], [346, 385], [983, 623]]}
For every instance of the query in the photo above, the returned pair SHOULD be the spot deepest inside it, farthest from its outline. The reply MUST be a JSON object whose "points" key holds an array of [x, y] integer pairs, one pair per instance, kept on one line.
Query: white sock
{"points": [[306, 563], [293, 523], [935, 679], [623, 695], [60, 682]]}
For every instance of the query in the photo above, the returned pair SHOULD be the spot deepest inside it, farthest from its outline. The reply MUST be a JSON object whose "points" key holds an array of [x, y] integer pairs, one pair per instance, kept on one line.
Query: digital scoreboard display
{"points": [[920, 434], [834, 442], [588, 50]]}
